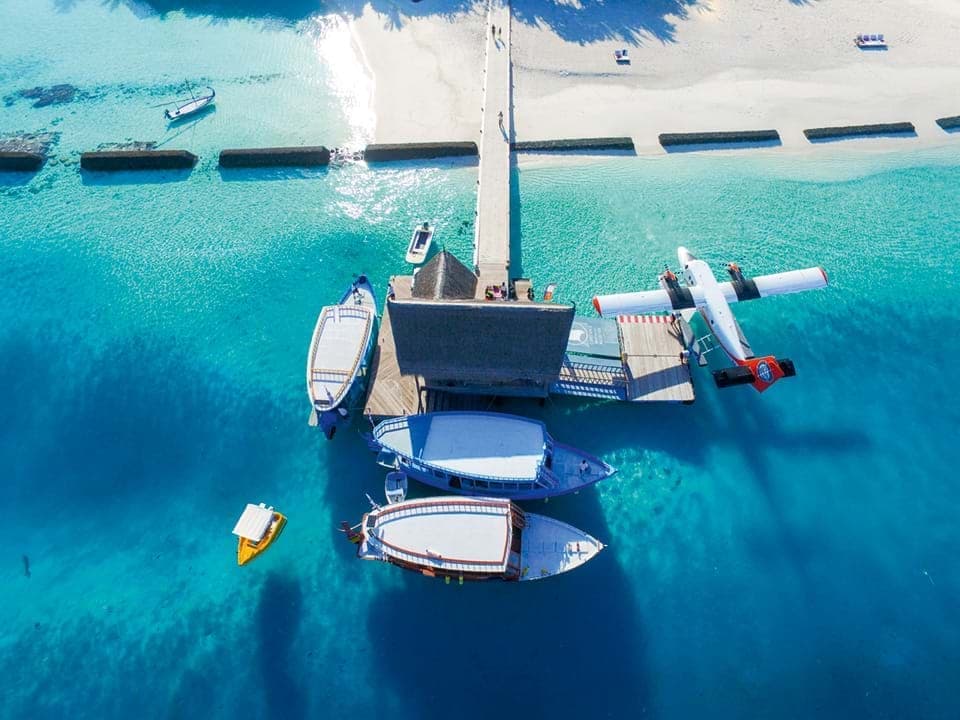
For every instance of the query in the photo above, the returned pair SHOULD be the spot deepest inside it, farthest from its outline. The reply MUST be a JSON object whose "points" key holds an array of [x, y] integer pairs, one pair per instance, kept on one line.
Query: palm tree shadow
{"points": [[279, 613], [584, 22]]}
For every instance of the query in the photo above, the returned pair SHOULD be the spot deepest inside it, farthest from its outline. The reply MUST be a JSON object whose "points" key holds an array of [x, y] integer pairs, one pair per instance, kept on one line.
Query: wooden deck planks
{"points": [[390, 394], [492, 232], [652, 353]]}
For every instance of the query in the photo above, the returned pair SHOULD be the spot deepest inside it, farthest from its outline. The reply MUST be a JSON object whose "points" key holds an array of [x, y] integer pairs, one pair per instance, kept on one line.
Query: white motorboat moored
{"points": [[420, 244]]}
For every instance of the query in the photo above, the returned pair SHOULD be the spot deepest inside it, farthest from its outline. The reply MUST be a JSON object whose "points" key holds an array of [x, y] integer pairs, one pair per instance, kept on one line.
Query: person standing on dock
{"points": [[500, 119], [493, 30]]}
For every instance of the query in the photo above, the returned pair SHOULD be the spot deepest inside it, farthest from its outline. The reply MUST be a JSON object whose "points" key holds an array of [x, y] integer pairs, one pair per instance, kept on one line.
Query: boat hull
{"points": [[494, 488], [247, 550], [472, 540], [191, 108], [331, 401], [486, 455], [419, 246]]}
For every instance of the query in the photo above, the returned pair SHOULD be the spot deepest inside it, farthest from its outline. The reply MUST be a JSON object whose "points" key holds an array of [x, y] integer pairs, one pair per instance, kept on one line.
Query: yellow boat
{"points": [[257, 528]]}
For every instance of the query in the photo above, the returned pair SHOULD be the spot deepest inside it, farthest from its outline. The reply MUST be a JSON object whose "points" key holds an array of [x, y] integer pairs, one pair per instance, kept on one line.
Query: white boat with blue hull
{"points": [[485, 454], [339, 355]]}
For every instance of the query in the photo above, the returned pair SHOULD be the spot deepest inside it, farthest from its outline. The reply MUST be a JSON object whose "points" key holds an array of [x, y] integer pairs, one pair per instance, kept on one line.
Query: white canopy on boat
{"points": [[484, 444], [451, 533], [338, 345], [254, 522]]}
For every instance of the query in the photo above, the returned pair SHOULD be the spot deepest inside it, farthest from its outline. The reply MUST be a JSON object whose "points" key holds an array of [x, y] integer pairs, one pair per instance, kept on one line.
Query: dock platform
{"points": [[654, 358], [635, 358], [392, 394]]}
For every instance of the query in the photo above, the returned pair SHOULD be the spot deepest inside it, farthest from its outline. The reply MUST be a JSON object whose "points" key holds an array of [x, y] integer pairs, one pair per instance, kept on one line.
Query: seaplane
{"points": [[703, 293]]}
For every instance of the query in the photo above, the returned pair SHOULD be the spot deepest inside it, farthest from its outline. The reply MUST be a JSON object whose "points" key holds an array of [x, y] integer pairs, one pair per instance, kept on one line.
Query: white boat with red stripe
{"points": [[471, 539]]}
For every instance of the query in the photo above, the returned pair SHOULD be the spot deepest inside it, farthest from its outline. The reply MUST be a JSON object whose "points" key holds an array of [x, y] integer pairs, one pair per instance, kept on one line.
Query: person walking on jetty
{"points": [[493, 30], [500, 119]]}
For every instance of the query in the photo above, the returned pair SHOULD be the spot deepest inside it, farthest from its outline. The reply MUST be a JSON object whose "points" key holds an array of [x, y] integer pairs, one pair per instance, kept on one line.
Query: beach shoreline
{"points": [[721, 66]]}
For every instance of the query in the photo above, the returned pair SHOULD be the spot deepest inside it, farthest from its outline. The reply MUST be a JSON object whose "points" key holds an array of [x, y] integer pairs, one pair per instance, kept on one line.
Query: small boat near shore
{"points": [[191, 107], [420, 244], [340, 351], [471, 539], [488, 454], [256, 529]]}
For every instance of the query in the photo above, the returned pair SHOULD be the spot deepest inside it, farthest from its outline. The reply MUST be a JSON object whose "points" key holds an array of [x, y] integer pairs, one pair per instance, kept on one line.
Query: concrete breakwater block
{"points": [[949, 123], [308, 156], [592, 144], [18, 161], [379, 152], [825, 133], [712, 138], [117, 160]]}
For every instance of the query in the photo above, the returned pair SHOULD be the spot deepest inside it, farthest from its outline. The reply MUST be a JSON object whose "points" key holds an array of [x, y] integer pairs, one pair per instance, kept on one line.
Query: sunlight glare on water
{"points": [[351, 82]]}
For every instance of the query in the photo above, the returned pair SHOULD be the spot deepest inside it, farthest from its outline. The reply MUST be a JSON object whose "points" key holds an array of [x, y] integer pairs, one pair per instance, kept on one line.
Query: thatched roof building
{"points": [[496, 347], [444, 278]]}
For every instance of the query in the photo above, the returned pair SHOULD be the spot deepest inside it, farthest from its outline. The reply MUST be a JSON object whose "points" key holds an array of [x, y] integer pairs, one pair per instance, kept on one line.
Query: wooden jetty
{"points": [[491, 257], [452, 339]]}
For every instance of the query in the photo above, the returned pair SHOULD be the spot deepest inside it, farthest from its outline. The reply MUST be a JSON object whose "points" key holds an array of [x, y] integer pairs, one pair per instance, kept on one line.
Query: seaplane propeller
{"points": [[703, 293]]}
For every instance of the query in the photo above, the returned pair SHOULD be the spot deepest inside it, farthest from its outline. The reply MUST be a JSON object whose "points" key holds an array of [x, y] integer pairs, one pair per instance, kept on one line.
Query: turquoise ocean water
{"points": [[785, 555]]}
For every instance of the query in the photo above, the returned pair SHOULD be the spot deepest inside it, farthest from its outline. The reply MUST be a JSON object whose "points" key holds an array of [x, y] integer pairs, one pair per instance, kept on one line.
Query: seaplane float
{"points": [[703, 293]]}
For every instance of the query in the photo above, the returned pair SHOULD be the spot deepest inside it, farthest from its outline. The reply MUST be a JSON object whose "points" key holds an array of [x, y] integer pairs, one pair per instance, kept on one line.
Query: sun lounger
{"points": [[870, 41]]}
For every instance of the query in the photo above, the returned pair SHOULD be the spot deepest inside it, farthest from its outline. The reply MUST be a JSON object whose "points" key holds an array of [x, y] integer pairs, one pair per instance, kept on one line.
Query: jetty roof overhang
{"points": [[481, 342]]}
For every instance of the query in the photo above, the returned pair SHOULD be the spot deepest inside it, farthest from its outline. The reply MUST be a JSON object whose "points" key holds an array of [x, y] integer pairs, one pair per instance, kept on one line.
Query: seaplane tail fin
{"points": [[761, 372]]}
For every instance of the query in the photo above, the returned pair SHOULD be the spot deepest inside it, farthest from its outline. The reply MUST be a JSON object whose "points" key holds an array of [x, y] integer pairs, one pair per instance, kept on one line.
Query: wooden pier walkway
{"points": [[491, 255], [652, 347]]}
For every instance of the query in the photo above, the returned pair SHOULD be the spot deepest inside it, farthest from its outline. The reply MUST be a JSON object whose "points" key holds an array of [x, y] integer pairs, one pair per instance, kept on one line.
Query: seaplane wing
{"points": [[676, 298], [648, 301], [777, 284]]}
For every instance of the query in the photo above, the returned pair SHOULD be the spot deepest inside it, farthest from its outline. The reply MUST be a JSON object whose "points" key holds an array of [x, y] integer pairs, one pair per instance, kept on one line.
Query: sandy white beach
{"points": [[697, 66]]}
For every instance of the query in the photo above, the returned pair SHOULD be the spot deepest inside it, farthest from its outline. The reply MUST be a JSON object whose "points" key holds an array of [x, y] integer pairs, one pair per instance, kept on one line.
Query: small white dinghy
{"points": [[420, 244], [192, 107], [395, 487]]}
